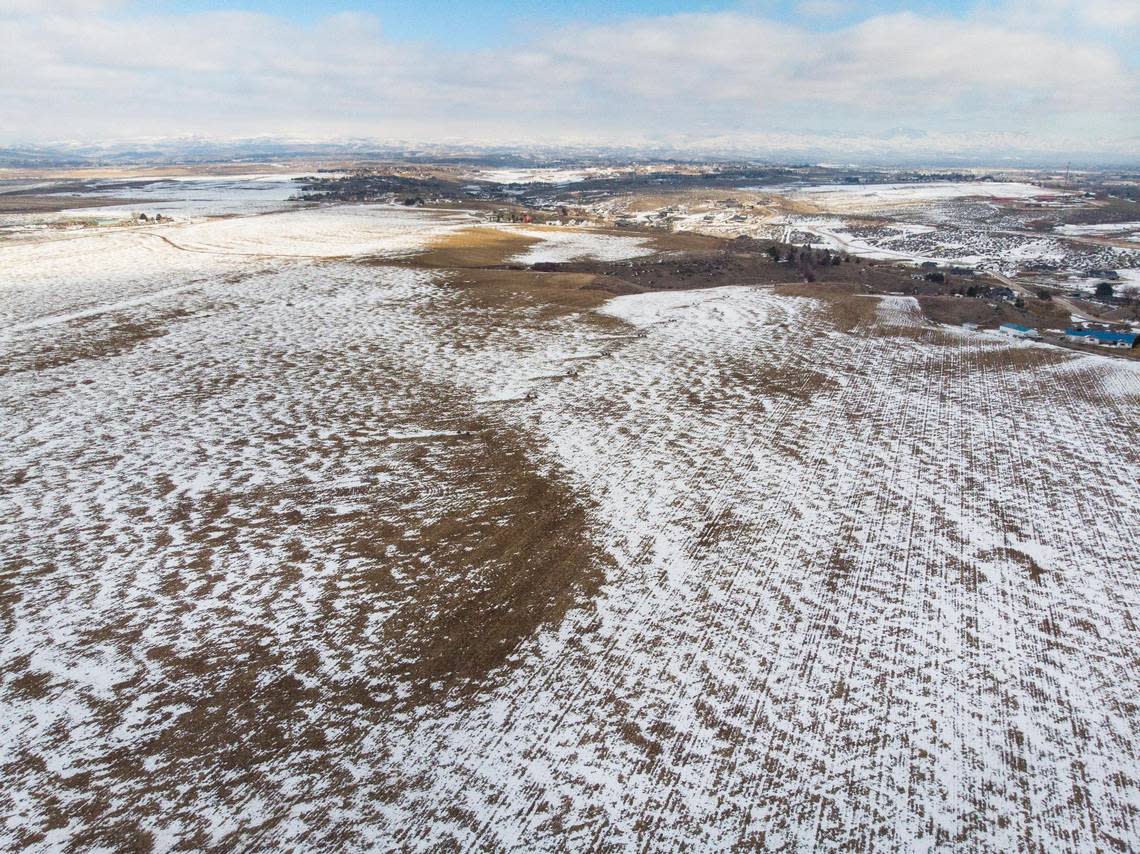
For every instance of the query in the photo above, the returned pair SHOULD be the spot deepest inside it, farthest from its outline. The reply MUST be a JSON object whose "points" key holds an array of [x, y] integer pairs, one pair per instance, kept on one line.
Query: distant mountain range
{"points": [[190, 150]]}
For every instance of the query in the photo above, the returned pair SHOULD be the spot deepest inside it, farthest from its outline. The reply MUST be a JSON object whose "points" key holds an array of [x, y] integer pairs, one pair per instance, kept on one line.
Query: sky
{"points": [[830, 78]]}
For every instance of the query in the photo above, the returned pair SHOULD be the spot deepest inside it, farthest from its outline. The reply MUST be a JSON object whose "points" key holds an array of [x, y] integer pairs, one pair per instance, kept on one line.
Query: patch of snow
{"points": [[1104, 228], [531, 176], [562, 246], [851, 198]]}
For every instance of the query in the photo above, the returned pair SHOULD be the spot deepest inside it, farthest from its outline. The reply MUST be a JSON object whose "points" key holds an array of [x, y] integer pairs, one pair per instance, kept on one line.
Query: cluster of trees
{"points": [[808, 259], [366, 186], [987, 292], [1118, 294]]}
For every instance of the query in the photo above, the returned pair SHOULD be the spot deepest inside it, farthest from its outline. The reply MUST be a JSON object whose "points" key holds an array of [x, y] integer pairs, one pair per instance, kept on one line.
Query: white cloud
{"points": [[823, 8], [729, 78], [10, 8], [1098, 13], [1111, 19]]}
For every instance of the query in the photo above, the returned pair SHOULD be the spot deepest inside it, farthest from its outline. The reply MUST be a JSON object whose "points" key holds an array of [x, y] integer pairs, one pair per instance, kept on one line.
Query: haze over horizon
{"points": [[1047, 80]]}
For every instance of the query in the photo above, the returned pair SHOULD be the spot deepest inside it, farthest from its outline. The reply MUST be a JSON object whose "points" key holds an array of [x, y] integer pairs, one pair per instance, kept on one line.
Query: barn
{"points": [[1018, 330], [1102, 337]]}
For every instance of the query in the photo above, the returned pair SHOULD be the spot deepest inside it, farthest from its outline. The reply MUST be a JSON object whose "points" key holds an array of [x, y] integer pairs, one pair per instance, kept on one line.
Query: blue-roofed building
{"points": [[1103, 337], [1017, 330]]}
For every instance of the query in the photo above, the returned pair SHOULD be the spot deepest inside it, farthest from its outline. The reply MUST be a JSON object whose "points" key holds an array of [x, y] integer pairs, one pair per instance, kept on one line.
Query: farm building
{"points": [[1017, 330], [1102, 337]]}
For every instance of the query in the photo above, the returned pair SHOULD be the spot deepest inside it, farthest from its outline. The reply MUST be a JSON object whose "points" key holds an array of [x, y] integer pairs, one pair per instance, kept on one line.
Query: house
{"points": [[1102, 337], [1017, 330]]}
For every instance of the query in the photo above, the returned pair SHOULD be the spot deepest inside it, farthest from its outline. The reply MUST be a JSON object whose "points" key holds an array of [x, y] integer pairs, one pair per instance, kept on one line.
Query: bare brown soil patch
{"points": [[688, 241], [16, 203], [475, 247], [478, 261], [500, 288], [514, 555], [488, 247], [1042, 314], [681, 269], [844, 306]]}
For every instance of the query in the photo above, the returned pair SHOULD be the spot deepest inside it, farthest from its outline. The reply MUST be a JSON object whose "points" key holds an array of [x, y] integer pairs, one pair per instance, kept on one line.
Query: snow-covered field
{"points": [[1109, 229], [842, 580], [867, 198], [62, 274], [561, 246], [178, 197], [531, 176]]}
